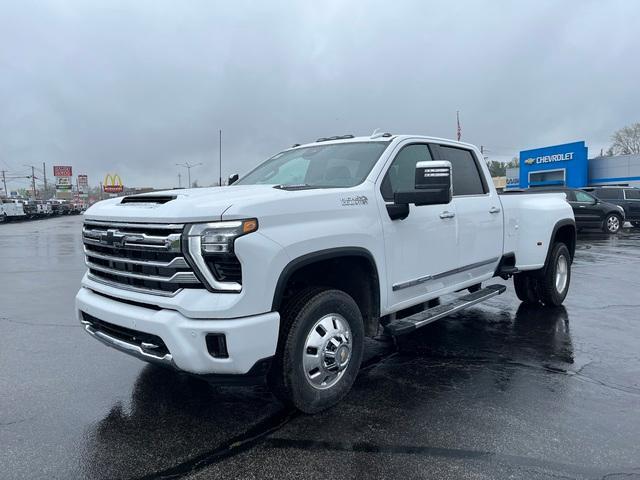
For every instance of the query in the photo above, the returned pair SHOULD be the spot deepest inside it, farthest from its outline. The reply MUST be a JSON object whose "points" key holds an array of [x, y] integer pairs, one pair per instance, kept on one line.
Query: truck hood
{"points": [[183, 206], [223, 203]]}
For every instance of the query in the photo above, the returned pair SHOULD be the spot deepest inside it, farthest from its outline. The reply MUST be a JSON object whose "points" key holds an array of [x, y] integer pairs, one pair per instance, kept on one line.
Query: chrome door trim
{"points": [[436, 276]]}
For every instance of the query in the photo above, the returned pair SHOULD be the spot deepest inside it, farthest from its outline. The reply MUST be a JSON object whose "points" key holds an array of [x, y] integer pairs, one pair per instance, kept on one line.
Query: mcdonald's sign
{"points": [[112, 183]]}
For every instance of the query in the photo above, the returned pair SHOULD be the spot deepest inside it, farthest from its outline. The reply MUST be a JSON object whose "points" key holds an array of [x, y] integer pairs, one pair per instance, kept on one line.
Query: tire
{"points": [[526, 286], [612, 223], [308, 381], [636, 224], [553, 286]]}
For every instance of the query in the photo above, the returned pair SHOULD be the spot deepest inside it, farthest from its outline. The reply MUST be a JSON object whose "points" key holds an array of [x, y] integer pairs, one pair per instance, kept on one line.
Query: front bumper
{"points": [[249, 339]]}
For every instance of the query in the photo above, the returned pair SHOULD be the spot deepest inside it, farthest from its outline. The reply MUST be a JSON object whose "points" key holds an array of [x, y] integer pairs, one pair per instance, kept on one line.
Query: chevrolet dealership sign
{"points": [[564, 164], [560, 157]]}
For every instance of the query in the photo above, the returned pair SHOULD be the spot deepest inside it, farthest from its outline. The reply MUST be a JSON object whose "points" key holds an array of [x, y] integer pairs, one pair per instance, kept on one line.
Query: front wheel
{"points": [[612, 223], [636, 224], [319, 350]]}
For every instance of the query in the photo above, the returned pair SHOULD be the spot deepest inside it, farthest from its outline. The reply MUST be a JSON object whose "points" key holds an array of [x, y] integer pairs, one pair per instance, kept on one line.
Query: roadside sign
{"points": [[83, 184], [112, 183], [62, 171], [63, 184]]}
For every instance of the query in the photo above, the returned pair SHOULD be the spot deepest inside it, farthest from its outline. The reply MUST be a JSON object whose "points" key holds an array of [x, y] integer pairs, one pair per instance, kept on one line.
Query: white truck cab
{"points": [[283, 273]]}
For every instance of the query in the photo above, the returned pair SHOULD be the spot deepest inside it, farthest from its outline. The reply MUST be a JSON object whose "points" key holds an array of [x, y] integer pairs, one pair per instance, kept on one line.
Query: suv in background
{"points": [[626, 197], [589, 211]]}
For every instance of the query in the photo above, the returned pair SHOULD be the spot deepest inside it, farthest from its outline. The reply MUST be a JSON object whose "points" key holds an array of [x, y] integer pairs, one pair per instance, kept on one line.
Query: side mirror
{"points": [[432, 185], [233, 179]]}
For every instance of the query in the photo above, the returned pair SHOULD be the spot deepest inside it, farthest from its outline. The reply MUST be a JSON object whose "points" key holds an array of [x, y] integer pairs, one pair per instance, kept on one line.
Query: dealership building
{"points": [[569, 165]]}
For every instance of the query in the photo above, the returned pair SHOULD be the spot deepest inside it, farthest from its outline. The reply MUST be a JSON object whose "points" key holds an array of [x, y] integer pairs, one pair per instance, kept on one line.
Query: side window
{"points": [[608, 193], [467, 179], [401, 176], [632, 194], [584, 197]]}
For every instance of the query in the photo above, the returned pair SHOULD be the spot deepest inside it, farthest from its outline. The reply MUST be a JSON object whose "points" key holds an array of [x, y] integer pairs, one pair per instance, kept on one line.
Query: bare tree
{"points": [[626, 140]]}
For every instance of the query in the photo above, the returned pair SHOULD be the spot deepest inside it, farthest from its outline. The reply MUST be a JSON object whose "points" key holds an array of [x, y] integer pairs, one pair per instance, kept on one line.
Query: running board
{"points": [[417, 320]]}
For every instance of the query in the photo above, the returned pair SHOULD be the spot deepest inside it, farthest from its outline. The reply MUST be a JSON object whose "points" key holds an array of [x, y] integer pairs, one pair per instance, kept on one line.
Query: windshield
{"points": [[333, 165]]}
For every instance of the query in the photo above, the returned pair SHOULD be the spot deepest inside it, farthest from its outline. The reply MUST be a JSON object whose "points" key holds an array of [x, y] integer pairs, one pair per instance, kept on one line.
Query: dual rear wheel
{"points": [[550, 285]]}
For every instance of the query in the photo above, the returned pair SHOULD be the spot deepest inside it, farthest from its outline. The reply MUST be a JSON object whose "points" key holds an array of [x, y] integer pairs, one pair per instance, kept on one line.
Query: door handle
{"points": [[447, 214], [582, 206], [494, 210]]}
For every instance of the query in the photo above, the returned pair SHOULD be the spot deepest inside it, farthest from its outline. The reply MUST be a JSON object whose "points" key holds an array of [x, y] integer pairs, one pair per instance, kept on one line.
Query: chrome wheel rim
{"points": [[562, 273], [613, 224], [327, 351]]}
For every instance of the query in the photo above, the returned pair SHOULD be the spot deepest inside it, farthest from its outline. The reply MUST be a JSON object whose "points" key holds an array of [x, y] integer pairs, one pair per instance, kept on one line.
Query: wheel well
{"points": [[567, 235], [353, 273]]}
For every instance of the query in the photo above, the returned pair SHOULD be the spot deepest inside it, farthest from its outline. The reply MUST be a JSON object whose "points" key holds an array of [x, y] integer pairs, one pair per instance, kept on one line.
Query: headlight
{"points": [[211, 245]]}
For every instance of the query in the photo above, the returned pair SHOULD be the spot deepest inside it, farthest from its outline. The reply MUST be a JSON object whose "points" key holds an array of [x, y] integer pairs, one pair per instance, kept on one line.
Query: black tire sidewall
{"points": [[302, 394], [550, 295], [526, 287]]}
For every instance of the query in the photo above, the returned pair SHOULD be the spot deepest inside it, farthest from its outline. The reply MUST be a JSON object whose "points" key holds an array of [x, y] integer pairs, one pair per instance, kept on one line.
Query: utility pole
{"points": [[4, 182], [188, 167], [220, 158], [44, 173], [33, 181]]}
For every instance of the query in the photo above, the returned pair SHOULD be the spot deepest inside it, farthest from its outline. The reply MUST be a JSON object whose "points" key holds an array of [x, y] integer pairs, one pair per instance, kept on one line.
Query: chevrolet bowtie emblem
{"points": [[112, 237]]}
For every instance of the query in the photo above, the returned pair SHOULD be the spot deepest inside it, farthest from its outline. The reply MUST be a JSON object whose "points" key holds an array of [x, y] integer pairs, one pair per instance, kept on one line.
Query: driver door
{"points": [[585, 209], [421, 247]]}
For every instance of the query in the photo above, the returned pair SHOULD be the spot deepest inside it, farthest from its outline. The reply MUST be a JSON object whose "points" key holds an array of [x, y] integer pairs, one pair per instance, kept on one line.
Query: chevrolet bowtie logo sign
{"points": [[112, 238], [558, 157], [112, 184]]}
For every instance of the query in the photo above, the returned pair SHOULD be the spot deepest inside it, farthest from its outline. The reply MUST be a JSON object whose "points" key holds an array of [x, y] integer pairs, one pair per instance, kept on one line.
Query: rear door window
{"points": [[632, 194], [609, 193]]}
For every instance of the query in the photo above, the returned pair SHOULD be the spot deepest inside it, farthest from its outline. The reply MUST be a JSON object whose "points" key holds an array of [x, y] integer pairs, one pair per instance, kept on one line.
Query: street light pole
{"points": [[188, 167]]}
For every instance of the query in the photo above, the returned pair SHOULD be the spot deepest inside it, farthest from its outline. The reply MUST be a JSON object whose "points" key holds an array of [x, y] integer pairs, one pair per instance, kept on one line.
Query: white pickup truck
{"points": [[281, 275], [11, 209]]}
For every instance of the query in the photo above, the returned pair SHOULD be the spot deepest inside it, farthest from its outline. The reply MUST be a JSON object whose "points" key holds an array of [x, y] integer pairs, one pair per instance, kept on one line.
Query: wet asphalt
{"points": [[497, 391]]}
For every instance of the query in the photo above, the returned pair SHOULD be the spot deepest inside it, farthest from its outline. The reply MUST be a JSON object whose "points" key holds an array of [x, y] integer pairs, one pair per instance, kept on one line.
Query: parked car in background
{"points": [[626, 197], [60, 207], [43, 208], [11, 209], [588, 210]]}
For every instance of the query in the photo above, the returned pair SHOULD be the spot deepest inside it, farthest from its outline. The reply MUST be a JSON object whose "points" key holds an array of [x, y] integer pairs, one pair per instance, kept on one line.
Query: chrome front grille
{"points": [[140, 257]]}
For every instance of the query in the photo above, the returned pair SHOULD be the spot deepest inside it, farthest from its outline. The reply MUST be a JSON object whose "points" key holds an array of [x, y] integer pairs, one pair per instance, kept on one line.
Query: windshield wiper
{"points": [[294, 186], [301, 186]]}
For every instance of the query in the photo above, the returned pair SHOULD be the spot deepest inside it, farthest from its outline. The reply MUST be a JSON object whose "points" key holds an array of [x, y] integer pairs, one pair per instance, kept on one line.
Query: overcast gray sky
{"points": [[135, 87]]}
